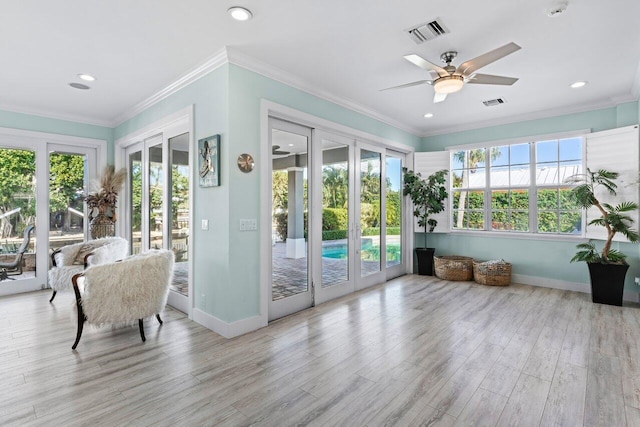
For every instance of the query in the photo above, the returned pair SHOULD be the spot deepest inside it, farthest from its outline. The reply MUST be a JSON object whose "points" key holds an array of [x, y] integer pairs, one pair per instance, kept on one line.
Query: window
{"points": [[517, 188]]}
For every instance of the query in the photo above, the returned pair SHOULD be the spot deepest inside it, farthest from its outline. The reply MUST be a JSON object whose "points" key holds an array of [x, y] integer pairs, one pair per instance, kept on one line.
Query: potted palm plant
{"points": [[428, 196], [608, 268]]}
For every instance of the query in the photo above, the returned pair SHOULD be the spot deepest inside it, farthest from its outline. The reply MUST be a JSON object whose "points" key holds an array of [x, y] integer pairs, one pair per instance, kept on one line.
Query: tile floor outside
{"points": [[290, 275]]}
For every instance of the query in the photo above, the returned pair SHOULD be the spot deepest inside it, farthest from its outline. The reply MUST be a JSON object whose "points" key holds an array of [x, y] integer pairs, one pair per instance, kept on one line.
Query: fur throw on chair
{"points": [[105, 250], [122, 292]]}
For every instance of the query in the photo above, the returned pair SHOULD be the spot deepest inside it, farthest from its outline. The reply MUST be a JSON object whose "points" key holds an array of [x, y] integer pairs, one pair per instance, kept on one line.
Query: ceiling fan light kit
{"points": [[449, 79], [449, 84]]}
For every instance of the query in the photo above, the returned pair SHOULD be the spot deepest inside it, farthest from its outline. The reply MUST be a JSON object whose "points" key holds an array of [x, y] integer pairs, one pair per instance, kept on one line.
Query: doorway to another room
{"points": [[158, 203], [336, 216]]}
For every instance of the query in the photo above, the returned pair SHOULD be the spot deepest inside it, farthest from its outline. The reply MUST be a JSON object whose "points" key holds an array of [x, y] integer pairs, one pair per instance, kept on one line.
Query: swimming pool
{"points": [[340, 251]]}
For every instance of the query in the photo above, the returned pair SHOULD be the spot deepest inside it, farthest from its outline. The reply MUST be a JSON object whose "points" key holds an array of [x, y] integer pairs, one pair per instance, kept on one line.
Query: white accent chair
{"points": [[125, 291], [72, 259]]}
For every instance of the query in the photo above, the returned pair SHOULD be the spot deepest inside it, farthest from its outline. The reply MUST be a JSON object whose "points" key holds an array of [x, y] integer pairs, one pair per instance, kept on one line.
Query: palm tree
{"points": [[470, 162], [334, 182]]}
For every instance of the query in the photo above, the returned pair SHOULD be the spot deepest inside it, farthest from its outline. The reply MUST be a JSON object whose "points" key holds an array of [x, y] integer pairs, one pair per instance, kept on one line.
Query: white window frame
{"points": [[533, 188]]}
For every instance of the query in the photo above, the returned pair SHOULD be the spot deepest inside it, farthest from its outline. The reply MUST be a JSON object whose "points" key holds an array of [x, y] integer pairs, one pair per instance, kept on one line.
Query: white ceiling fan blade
{"points": [[439, 97], [419, 82], [474, 64], [489, 79], [426, 65]]}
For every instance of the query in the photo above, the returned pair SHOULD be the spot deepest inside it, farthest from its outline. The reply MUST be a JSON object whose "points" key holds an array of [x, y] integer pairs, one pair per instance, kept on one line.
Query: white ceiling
{"points": [[343, 49]]}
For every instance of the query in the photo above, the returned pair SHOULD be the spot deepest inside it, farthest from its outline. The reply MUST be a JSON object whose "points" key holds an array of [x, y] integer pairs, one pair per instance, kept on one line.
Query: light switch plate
{"points": [[248, 224], [205, 224]]}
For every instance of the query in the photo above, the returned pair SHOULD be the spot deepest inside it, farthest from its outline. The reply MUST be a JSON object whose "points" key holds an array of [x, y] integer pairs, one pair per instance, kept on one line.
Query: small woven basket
{"points": [[453, 267], [494, 273]]}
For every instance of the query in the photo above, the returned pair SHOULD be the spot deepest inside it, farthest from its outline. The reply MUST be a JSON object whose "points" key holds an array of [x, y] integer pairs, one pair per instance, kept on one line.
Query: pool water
{"points": [[341, 251]]}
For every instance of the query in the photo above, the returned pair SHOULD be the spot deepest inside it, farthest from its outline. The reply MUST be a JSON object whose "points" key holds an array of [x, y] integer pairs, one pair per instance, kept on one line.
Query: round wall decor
{"points": [[245, 162]]}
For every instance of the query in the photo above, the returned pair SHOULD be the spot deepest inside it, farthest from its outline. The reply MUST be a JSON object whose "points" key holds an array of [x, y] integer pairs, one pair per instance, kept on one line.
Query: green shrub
{"points": [[335, 219], [281, 220], [334, 234]]}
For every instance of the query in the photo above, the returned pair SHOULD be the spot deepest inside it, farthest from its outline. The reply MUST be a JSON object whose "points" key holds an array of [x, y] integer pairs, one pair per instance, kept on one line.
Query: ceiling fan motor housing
{"points": [[448, 57]]}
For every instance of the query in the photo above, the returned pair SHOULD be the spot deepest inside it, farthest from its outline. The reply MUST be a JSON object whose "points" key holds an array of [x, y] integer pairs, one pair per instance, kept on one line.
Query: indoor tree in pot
{"points": [[428, 196], [608, 268]]}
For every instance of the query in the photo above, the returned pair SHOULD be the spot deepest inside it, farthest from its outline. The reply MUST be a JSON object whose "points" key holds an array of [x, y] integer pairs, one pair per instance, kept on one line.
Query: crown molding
{"points": [[291, 80], [211, 64], [56, 116], [544, 114]]}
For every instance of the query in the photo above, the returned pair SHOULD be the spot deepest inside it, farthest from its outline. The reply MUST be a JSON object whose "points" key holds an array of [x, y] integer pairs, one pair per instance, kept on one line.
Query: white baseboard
{"points": [[229, 329], [565, 285], [12, 287]]}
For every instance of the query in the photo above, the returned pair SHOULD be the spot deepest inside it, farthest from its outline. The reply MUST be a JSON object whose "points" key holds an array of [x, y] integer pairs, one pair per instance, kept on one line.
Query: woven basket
{"points": [[453, 267], [495, 273]]}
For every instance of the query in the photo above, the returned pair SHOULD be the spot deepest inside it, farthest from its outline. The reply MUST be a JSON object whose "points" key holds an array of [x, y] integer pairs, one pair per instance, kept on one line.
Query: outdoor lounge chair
{"points": [[14, 268]]}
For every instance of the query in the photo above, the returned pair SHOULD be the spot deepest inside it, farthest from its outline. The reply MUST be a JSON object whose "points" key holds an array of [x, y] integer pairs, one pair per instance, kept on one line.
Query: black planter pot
{"points": [[607, 282], [425, 261]]}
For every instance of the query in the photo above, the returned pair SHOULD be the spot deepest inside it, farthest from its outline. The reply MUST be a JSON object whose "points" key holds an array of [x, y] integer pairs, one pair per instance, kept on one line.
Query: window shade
{"points": [[615, 150], [426, 164]]}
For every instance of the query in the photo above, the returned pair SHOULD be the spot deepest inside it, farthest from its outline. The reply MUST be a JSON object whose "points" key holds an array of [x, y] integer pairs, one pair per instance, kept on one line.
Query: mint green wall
{"points": [[247, 89], [227, 101], [9, 119], [209, 96], [596, 120], [541, 258], [627, 114]]}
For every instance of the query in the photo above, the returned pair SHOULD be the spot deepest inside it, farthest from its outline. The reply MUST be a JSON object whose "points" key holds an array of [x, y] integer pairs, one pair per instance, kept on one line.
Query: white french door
{"points": [[158, 203], [291, 284], [334, 238], [336, 216], [45, 177], [362, 196]]}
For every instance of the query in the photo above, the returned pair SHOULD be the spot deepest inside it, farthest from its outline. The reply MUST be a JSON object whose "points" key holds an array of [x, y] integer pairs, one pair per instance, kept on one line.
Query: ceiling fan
{"points": [[276, 151], [449, 79]]}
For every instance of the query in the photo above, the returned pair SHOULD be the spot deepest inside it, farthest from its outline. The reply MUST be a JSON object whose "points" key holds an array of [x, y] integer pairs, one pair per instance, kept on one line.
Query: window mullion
{"points": [[533, 189], [487, 190]]}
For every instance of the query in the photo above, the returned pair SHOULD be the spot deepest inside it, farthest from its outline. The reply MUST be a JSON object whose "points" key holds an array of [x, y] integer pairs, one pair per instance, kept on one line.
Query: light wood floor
{"points": [[416, 351]]}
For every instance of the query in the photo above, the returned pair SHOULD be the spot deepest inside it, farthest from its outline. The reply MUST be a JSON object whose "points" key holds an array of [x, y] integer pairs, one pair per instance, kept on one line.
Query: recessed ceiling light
{"points": [[577, 85], [87, 77], [79, 86], [290, 145], [240, 13], [428, 115]]}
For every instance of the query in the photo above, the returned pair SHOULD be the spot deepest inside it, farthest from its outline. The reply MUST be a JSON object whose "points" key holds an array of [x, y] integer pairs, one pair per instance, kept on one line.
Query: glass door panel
{"points": [[370, 204], [156, 192], [67, 177], [393, 204], [335, 213], [290, 289], [135, 203], [17, 212], [179, 197]]}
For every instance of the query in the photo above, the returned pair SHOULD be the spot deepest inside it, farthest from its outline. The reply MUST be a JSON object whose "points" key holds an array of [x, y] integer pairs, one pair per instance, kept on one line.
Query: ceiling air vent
{"points": [[427, 31], [492, 102]]}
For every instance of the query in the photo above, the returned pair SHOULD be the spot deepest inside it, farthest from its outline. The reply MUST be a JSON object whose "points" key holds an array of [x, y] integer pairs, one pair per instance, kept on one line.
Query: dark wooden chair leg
{"points": [[53, 296], [81, 320], [141, 330], [81, 316], [159, 319]]}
